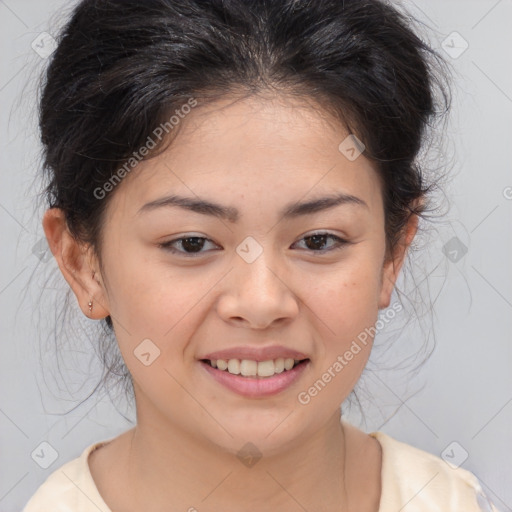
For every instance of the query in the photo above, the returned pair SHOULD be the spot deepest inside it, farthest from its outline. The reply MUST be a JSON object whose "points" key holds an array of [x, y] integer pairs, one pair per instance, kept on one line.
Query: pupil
{"points": [[197, 245], [316, 239]]}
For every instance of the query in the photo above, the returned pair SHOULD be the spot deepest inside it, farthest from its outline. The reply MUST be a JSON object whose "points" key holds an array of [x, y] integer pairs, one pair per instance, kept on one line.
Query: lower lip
{"points": [[256, 387]]}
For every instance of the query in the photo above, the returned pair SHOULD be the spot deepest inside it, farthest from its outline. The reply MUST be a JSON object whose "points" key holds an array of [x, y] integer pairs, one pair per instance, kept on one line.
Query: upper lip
{"points": [[255, 354]]}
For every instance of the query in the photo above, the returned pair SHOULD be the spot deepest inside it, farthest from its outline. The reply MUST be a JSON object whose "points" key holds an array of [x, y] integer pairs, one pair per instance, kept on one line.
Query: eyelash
{"points": [[339, 241]]}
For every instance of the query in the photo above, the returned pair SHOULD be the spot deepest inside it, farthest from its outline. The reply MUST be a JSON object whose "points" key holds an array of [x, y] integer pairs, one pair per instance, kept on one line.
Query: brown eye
{"points": [[317, 242], [191, 245]]}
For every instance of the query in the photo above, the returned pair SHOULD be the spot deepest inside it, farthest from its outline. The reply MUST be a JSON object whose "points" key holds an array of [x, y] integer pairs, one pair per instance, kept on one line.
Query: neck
{"points": [[167, 466]]}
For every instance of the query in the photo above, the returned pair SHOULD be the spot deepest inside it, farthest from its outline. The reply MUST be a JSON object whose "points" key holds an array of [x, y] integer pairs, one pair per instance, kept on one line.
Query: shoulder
{"points": [[414, 480], [70, 488]]}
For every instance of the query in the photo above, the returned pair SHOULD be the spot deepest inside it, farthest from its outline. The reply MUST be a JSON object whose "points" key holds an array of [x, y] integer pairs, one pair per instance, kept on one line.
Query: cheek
{"points": [[143, 291], [153, 301], [347, 299], [350, 314], [345, 304], [345, 312]]}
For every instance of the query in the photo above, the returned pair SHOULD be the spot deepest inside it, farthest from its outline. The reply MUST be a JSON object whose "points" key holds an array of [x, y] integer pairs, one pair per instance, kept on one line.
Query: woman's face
{"points": [[253, 278]]}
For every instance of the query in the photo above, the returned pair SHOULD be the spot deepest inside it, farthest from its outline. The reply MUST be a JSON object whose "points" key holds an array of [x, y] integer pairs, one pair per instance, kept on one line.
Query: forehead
{"points": [[263, 149]]}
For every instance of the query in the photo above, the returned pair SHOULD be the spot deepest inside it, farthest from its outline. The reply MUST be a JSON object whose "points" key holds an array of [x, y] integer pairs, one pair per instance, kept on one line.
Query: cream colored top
{"points": [[412, 481]]}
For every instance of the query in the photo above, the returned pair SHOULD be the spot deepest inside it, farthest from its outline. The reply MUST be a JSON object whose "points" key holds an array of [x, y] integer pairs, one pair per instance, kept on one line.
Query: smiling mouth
{"points": [[254, 369]]}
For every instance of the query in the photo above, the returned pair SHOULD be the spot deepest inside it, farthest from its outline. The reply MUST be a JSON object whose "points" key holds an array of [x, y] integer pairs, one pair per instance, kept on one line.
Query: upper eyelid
{"points": [[342, 240], [301, 237]]}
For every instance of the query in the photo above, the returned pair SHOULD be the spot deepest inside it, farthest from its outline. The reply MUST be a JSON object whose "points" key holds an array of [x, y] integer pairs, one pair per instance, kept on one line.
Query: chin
{"points": [[269, 434]]}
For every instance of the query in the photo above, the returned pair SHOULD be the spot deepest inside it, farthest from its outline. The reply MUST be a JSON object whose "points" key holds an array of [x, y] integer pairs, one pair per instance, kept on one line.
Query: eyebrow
{"points": [[290, 211]]}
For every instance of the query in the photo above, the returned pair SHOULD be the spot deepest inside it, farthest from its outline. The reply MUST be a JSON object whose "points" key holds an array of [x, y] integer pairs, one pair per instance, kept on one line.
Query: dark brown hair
{"points": [[123, 66]]}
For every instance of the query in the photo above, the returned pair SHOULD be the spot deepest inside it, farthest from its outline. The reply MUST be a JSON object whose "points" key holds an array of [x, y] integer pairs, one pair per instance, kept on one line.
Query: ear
{"points": [[77, 263], [391, 268]]}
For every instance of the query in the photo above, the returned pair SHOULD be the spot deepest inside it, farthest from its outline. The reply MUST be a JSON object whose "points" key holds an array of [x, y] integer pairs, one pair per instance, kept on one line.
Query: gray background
{"points": [[462, 395]]}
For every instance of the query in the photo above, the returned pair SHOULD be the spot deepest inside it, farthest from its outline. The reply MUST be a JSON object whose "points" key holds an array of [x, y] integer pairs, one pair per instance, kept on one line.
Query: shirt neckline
{"points": [[98, 499]]}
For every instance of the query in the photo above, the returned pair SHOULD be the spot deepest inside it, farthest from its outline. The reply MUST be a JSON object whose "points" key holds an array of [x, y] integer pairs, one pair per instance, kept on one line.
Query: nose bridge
{"points": [[257, 265], [256, 292]]}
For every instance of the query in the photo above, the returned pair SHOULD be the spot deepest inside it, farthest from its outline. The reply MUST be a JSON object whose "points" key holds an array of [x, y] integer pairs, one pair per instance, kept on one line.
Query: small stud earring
{"points": [[90, 307]]}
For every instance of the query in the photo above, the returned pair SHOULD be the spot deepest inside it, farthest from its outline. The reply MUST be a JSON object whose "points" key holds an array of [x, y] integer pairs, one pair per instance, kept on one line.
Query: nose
{"points": [[258, 294]]}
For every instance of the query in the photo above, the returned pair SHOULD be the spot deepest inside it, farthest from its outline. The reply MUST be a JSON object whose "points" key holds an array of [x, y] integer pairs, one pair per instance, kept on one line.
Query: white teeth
{"points": [[249, 368], [221, 364], [266, 368], [288, 364], [234, 366]]}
